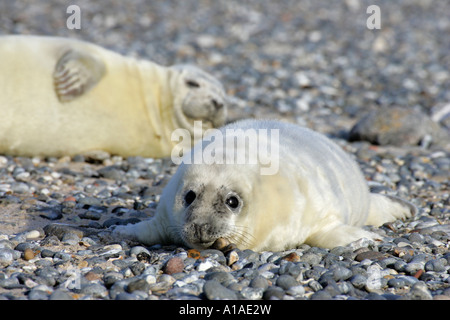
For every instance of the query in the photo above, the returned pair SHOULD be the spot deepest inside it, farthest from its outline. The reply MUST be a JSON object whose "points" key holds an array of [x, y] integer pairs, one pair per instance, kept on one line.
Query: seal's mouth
{"points": [[202, 244], [197, 242], [211, 110]]}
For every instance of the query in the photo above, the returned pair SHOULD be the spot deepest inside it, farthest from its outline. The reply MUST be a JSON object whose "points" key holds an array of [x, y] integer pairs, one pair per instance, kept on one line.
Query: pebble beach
{"points": [[313, 63]]}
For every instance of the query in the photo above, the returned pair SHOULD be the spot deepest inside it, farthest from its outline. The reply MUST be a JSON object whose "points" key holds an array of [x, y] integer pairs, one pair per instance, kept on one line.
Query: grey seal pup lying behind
{"points": [[61, 96]]}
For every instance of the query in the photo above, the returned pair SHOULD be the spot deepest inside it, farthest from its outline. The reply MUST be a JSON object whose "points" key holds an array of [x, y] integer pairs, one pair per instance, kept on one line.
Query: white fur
{"points": [[319, 196], [125, 106]]}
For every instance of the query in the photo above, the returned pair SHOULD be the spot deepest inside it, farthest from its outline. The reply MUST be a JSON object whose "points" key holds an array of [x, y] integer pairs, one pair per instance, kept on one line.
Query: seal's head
{"points": [[198, 96], [233, 202], [207, 205]]}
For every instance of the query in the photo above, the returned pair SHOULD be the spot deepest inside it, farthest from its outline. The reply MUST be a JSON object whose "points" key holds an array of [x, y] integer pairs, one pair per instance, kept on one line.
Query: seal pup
{"points": [[317, 195], [61, 96]]}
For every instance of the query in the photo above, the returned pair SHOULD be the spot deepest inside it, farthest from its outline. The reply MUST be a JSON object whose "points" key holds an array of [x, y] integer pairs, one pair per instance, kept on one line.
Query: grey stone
{"points": [[139, 284], [273, 293], [397, 126], [95, 290], [61, 294], [286, 282], [6, 257], [311, 258], [419, 291], [259, 282], [215, 291]]}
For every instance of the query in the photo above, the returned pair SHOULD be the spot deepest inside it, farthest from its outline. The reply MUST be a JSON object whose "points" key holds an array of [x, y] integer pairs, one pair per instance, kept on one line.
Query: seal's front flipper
{"points": [[76, 73], [148, 232]]}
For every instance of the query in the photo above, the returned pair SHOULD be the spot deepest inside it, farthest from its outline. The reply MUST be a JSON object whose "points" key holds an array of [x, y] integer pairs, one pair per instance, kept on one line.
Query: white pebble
{"points": [[127, 273], [23, 176], [296, 291], [30, 283], [150, 279], [56, 175], [3, 161], [33, 234], [205, 265], [252, 293], [179, 284]]}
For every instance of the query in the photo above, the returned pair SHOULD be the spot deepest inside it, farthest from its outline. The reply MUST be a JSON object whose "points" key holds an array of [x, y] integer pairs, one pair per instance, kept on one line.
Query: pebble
{"points": [[259, 282], [398, 126], [6, 257], [95, 290], [174, 265], [252, 293], [139, 284], [215, 291], [61, 294], [28, 254], [371, 255], [286, 282], [419, 291], [220, 244], [311, 258], [273, 293]]}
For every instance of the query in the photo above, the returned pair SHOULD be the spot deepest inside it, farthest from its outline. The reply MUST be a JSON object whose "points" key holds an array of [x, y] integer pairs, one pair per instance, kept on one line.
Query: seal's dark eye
{"points": [[189, 198], [232, 202], [192, 84]]}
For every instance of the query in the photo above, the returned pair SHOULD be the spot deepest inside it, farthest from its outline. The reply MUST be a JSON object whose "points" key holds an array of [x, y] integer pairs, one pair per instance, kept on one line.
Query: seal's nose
{"points": [[218, 105], [201, 231]]}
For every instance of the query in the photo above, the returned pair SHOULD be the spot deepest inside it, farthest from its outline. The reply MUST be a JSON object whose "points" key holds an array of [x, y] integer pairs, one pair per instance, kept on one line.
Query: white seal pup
{"points": [[315, 194], [61, 96]]}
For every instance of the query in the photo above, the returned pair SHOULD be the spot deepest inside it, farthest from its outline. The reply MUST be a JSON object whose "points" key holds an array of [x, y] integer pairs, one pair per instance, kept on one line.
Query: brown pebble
{"points": [[401, 251], [232, 257], [76, 296], [92, 276], [390, 226], [292, 257], [371, 255], [174, 265], [84, 243], [220, 244], [418, 273], [193, 253], [229, 248], [28, 254]]}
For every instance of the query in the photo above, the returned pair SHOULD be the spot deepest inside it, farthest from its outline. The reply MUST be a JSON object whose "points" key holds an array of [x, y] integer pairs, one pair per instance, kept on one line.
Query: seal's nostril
{"points": [[201, 231], [217, 105]]}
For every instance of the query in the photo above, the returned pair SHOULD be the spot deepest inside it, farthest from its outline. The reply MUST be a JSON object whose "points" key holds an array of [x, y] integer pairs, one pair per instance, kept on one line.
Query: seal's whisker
{"points": [[241, 235]]}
